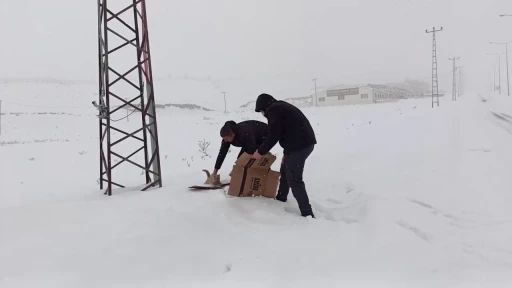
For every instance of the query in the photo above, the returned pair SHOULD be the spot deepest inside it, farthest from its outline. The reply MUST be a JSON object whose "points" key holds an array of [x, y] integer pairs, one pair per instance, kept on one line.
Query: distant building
{"points": [[367, 94], [344, 95], [360, 94]]}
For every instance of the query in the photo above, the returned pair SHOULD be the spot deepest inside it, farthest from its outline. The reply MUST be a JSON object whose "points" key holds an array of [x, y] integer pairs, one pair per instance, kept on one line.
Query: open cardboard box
{"points": [[251, 177]]}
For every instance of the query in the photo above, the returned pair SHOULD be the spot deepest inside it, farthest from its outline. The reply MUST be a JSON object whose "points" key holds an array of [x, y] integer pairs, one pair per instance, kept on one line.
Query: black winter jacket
{"points": [[248, 134], [287, 124]]}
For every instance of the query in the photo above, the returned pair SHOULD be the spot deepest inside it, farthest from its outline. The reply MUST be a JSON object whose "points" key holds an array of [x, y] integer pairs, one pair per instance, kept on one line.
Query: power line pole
{"points": [[499, 72], [508, 81], [316, 96], [435, 82], [491, 83], [506, 56], [225, 107], [454, 86], [136, 38], [0, 117], [494, 78]]}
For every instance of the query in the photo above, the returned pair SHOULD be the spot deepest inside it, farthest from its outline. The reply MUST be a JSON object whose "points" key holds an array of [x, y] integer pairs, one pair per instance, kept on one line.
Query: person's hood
{"points": [[263, 102]]}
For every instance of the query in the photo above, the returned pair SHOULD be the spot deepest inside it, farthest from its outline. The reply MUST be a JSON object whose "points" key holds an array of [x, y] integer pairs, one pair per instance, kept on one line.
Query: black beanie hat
{"points": [[229, 126]]}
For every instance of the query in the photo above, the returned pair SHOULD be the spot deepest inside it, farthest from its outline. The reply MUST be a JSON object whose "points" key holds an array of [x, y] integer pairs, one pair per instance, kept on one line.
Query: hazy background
{"points": [[274, 46]]}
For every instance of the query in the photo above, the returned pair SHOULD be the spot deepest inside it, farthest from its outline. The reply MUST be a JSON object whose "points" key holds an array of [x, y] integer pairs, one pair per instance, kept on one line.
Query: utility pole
{"points": [[506, 56], [499, 72], [508, 81], [316, 96], [435, 82], [0, 117], [136, 39], [491, 82], [494, 78], [225, 107], [454, 86]]}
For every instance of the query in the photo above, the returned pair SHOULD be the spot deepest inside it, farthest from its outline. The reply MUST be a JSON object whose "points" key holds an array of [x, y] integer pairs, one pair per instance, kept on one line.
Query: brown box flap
{"points": [[272, 184], [264, 163]]}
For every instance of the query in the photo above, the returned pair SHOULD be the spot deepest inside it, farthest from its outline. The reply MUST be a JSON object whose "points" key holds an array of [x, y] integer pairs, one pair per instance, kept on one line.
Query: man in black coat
{"points": [[290, 127], [247, 134]]}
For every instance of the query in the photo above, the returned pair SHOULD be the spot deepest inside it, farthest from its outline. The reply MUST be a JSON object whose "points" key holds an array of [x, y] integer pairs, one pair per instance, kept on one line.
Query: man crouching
{"points": [[248, 135]]}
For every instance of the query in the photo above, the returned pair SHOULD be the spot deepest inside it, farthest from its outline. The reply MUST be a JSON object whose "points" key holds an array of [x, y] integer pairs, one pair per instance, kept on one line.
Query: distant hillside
{"points": [[183, 106], [42, 80], [36, 94], [298, 101]]}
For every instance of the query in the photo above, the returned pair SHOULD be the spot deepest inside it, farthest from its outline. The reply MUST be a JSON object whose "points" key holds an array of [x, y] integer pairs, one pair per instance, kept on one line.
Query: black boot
{"points": [[307, 213], [281, 198]]}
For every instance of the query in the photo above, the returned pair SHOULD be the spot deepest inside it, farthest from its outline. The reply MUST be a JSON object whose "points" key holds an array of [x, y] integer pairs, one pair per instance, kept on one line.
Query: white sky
{"points": [[273, 46]]}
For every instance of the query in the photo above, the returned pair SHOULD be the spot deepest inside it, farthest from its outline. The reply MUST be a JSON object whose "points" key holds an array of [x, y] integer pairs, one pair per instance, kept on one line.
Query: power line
{"points": [[138, 106]]}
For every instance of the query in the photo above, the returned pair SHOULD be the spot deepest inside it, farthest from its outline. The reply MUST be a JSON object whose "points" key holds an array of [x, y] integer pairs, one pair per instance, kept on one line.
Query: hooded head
{"points": [[263, 102], [228, 131]]}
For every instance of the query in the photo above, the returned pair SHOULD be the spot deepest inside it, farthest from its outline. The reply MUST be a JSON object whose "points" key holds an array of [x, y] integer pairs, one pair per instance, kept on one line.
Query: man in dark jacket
{"points": [[247, 134], [288, 125]]}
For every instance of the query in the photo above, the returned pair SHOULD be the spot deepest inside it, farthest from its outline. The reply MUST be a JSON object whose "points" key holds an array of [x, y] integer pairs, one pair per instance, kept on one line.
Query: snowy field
{"points": [[405, 196]]}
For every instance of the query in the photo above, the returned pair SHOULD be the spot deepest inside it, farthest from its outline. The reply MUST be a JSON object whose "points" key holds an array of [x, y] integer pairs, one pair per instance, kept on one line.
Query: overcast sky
{"points": [[274, 46]]}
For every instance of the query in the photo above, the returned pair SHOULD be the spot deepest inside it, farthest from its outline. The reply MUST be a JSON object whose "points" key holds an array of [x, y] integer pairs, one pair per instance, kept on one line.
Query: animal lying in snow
{"points": [[212, 179]]}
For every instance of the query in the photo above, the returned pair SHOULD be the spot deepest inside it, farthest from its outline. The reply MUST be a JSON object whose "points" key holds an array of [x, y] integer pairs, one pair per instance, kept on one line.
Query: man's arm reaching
{"points": [[223, 151], [274, 132]]}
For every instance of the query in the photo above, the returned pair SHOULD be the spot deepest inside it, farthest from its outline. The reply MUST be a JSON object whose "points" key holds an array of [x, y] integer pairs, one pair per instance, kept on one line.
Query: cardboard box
{"points": [[251, 177]]}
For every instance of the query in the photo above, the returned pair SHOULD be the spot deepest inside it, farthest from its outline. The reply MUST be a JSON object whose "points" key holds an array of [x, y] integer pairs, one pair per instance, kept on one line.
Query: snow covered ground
{"points": [[405, 196]]}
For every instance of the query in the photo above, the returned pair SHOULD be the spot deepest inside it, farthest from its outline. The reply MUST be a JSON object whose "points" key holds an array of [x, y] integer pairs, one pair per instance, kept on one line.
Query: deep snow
{"points": [[404, 195]]}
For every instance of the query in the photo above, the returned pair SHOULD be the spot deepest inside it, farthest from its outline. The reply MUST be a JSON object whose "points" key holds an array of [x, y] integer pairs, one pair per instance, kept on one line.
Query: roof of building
{"points": [[345, 86]]}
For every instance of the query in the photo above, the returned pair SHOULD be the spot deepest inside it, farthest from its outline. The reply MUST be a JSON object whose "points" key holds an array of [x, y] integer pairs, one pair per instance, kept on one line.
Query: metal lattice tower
{"points": [[123, 37], [454, 86], [435, 82]]}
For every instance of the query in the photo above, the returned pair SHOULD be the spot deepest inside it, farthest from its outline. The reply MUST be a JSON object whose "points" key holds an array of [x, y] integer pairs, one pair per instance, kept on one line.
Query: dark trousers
{"points": [[292, 168]]}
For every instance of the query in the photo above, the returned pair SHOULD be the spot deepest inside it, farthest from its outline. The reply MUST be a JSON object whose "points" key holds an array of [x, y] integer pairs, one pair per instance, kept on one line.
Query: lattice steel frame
{"points": [[435, 79], [454, 84], [142, 63]]}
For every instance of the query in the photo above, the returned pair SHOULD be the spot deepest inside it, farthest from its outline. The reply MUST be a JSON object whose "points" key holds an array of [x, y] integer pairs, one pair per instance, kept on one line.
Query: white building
{"points": [[344, 95], [359, 94]]}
